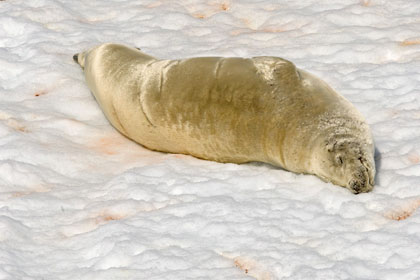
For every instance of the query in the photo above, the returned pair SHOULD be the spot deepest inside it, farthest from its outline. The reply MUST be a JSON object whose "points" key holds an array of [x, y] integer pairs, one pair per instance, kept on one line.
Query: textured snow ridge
{"points": [[80, 201]]}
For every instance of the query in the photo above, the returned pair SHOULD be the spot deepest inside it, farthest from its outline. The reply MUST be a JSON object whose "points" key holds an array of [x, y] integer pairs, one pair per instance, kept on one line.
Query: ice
{"points": [[80, 201]]}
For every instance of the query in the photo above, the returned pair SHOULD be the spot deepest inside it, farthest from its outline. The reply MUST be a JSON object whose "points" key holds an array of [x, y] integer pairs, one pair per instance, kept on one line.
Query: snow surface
{"points": [[80, 201]]}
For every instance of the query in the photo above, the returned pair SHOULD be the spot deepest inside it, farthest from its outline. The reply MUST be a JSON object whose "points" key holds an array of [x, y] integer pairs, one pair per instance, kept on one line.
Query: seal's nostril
{"points": [[356, 189], [75, 57]]}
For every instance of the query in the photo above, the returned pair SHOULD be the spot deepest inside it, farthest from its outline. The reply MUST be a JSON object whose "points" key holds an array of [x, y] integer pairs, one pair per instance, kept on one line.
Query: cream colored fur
{"points": [[233, 110]]}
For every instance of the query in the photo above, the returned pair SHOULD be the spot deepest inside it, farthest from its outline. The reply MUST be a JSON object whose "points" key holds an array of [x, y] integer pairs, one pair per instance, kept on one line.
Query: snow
{"points": [[80, 201]]}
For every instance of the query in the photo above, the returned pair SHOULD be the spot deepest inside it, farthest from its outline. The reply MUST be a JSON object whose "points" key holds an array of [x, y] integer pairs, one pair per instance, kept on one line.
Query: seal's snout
{"points": [[79, 58], [75, 58], [361, 181]]}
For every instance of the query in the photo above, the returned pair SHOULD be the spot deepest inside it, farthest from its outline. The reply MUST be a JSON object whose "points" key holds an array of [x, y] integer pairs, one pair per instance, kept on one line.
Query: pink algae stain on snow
{"points": [[410, 42], [113, 144], [200, 15], [12, 122], [248, 23], [244, 265], [270, 8], [252, 268], [128, 151], [269, 29], [16, 125], [365, 3], [237, 32], [40, 93], [20, 194], [36, 189], [154, 5], [249, 266], [92, 223], [107, 217], [108, 145], [224, 6], [213, 8], [414, 157], [249, 27], [273, 29], [181, 156], [404, 212]]}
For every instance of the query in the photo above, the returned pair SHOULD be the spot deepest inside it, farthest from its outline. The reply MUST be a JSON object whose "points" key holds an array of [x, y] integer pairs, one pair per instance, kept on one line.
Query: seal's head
{"points": [[83, 58], [341, 144], [347, 163]]}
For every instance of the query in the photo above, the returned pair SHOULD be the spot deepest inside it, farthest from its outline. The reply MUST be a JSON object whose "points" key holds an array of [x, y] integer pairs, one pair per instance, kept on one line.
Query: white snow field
{"points": [[80, 201]]}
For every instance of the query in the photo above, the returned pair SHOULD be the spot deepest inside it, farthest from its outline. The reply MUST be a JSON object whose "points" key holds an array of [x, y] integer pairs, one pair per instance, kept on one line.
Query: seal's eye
{"points": [[339, 160]]}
